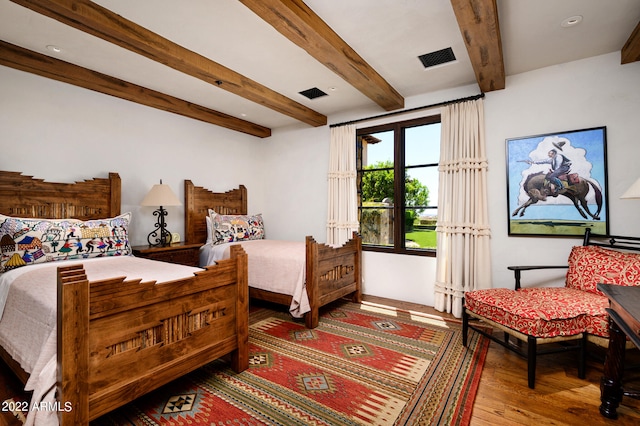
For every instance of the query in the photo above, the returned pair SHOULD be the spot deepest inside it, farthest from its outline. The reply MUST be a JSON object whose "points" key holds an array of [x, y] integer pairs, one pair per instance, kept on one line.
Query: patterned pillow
{"points": [[591, 265], [27, 241], [231, 228]]}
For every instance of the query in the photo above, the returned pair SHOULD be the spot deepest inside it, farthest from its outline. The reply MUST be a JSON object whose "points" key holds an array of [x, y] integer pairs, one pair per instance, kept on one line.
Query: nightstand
{"points": [[182, 253]]}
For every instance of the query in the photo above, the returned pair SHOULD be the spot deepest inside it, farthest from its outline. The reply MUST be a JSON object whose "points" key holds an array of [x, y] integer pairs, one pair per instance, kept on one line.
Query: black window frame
{"points": [[399, 184]]}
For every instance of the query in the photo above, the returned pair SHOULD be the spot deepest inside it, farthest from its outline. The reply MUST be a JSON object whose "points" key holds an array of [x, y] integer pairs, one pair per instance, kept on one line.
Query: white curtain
{"points": [[342, 215], [464, 259]]}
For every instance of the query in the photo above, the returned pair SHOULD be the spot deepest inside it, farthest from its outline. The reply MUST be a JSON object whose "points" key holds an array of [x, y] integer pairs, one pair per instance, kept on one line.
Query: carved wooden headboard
{"points": [[24, 196], [198, 201]]}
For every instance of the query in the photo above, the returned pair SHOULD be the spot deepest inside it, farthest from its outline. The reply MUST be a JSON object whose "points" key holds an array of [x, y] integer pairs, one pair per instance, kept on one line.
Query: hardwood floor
{"points": [[560, 397], [503, 398]]}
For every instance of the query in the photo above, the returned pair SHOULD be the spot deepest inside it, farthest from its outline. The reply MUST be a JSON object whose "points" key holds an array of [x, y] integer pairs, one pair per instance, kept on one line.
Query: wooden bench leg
{"points": [[531, 361], [582, 361]]}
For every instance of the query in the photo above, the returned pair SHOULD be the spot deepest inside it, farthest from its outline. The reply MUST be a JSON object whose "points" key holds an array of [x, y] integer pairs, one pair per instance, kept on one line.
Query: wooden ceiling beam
{"points": [[107, 25], [26, 60], [478, 22], [296, 21], [631, 49]]}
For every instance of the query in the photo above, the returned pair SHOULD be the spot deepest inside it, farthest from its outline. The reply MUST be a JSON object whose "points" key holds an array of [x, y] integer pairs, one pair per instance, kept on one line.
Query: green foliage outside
{"points": [[378, 186]]}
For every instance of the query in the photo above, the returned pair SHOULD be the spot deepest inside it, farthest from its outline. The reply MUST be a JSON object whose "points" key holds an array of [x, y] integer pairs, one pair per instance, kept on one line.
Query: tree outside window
{"points": [[399, 215]]}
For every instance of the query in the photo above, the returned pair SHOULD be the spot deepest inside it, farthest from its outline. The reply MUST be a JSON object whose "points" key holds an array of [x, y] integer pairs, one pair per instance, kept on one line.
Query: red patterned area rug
{"points": [[363, 365]]}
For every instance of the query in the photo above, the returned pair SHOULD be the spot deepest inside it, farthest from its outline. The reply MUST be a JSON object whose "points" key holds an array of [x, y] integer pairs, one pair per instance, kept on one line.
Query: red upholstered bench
{"points": [[571, 315]]}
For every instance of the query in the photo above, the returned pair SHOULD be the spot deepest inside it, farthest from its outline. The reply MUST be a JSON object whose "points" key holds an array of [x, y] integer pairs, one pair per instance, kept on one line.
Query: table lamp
{"points": [[633, 191], [160, 195]]}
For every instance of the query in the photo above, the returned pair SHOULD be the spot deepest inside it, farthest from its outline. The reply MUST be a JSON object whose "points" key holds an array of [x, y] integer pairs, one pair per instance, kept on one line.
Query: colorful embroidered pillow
{"points": [[27, 241], [591, 265], [231, 228]]}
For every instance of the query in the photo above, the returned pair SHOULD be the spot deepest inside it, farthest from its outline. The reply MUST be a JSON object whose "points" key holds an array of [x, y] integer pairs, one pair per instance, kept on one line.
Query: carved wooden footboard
{"points": [[332, 273], [118, 340]]}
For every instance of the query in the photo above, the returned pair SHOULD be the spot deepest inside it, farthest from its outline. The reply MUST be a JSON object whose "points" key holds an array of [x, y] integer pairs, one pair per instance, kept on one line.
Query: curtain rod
{"points": [[404, 111]]}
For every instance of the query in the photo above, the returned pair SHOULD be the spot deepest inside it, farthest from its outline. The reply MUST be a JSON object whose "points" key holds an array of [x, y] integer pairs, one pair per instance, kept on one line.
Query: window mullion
{"points": [[399, 202]]}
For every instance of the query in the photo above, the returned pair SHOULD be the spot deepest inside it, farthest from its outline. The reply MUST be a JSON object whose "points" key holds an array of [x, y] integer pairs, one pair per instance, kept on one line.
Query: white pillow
{"points": [[209, 230]]}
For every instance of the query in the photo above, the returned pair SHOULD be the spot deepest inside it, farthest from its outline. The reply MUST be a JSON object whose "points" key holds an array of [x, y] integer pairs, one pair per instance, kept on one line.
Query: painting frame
{"points": [[537, 205]]}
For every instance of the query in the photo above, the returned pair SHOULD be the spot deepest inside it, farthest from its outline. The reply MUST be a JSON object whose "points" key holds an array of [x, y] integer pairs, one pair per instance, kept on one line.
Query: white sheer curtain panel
{"points": [[342, 215], [464, 258]]}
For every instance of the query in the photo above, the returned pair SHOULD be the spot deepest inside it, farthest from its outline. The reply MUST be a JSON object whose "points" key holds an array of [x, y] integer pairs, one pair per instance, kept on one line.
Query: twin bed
{"points": [[301, 275], [110, 327], [111, 336]]}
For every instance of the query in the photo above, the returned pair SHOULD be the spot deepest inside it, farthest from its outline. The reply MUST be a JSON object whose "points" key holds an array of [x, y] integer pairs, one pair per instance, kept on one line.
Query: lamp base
{"points": [[160, 237]]}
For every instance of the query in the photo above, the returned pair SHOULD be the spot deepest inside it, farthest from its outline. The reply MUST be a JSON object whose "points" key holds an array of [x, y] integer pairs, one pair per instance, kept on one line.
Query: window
{"points": [[398, 185]]}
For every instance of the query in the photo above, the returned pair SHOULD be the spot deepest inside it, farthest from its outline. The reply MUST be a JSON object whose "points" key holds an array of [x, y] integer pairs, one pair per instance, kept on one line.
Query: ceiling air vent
{"points": [[437, 58], [313, 93]]}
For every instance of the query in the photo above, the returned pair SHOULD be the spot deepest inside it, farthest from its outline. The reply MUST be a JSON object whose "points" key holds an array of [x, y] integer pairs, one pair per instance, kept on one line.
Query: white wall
{"points": [[295, 168], [63, 133]]}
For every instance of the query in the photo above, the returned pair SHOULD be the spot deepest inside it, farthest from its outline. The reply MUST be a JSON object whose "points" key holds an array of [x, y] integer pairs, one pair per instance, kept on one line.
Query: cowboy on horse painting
{"points": [[566, 174], [560, 166]]}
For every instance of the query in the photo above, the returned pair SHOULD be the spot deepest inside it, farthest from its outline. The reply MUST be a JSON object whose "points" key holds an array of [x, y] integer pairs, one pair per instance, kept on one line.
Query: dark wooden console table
{"points": [[624, 311]]}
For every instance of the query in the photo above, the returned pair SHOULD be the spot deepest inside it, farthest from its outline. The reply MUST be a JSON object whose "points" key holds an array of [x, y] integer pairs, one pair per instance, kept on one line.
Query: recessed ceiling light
{"points": [[571, 21], [54, 49]]}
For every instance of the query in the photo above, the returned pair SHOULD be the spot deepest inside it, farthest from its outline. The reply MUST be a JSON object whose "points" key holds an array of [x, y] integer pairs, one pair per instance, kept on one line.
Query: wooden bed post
{"points": [[73, 345], [240, 357], [244, 205], [312, 317], [115, 184], [357, 264], [189, 209]]}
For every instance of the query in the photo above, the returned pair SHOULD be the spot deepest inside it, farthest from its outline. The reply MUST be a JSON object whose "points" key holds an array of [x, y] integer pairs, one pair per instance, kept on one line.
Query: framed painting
{"points": [[557, 183]]}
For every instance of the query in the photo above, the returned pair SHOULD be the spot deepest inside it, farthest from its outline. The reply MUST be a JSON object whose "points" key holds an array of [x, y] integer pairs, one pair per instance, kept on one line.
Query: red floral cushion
{"points": [[539, 312], [598, 325], [591, 265], [562, 311]]}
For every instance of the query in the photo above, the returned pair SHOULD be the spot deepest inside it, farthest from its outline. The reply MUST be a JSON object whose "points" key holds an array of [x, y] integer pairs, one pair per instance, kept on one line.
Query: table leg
{"points": [[611, 383]]}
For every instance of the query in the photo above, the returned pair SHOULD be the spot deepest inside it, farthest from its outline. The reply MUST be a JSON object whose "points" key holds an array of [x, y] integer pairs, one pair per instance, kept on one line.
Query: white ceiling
{"points": [[388, 34]]}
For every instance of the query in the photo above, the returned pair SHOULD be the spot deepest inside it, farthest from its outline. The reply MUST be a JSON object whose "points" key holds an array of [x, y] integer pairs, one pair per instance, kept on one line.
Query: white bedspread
{"points": [[28, 324], [274, 265]]}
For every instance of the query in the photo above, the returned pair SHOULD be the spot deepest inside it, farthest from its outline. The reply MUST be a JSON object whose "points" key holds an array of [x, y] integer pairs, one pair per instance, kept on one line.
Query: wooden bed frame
{"points": [[331, 273], [118, 340]]}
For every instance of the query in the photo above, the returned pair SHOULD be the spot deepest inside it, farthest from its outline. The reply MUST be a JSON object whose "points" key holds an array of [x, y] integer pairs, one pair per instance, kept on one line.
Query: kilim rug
{"points": [[363, 365]]}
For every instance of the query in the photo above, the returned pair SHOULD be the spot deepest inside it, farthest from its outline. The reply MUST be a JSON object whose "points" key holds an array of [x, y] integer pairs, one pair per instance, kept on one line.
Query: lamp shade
{"points": [[633, 191], [160, 195]]}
